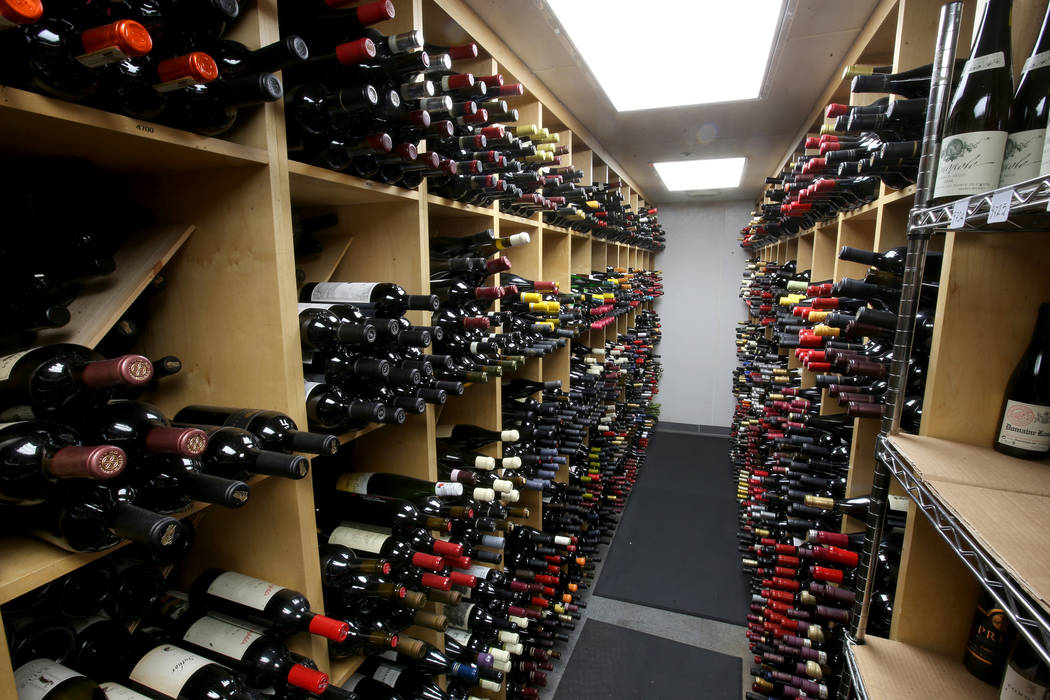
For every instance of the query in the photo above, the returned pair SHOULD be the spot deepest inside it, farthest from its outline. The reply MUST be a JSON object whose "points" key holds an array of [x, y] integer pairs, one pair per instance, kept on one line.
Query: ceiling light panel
{"points": [[707, 174], [666, 53]]}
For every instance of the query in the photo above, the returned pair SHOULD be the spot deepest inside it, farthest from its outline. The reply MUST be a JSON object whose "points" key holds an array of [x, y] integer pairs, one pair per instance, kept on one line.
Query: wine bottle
{"points": [[1024, 420], [1027, 675], [378, 510], [386, 299], [990, 637], [395, 550], [974, 139], [66, 379], [279, 609], [140, 429], [166, 671], [1029, 110], [265, 662], [395, 486], [34, 454], [406, 681], [235, 453], [275, 431], [472, 436], [43, 679]]}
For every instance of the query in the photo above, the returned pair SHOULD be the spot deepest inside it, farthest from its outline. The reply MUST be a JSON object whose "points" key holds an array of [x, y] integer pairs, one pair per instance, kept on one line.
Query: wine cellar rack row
{"points": [[229, 311], [975, 517]]}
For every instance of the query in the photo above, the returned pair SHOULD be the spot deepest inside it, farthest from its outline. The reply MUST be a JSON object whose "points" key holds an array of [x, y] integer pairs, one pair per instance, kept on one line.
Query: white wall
{"points": [[701, 268]]}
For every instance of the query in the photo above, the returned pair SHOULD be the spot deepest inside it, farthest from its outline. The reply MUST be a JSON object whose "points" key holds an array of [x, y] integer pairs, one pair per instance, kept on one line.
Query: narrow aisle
{"points": [[668, 604]]}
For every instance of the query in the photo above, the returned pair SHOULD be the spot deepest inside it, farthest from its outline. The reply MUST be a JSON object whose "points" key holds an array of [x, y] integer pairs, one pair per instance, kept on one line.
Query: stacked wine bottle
{"points": [[166, 62], [791, 454], [364, 100]]}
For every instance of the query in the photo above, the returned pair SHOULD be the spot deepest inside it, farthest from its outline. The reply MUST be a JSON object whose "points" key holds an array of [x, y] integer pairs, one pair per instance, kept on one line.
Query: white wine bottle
{"points": [[974, 138], [1025, 144]]}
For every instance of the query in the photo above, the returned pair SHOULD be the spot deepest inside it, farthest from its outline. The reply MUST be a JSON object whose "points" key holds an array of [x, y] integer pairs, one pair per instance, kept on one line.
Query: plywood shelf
{"points": [[321, 267], [46, 126], [354, 434], [901, 671], [314, 186], [342, 669], [104, 299], [440, 206], [1001, 502], [512, 219]]}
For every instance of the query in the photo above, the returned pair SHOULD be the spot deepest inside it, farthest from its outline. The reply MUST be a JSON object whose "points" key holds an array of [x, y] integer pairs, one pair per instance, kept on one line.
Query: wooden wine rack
{"points": [[991, 287], [229, 309]]}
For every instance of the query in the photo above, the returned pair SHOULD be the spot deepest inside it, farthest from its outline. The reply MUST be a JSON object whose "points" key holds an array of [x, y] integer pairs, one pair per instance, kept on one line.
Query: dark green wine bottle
{"points": [[974, 138]]}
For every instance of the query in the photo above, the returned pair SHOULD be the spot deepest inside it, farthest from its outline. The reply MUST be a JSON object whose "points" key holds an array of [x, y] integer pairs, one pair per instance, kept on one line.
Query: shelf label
{"points": [[959, 213], [999, 210]]}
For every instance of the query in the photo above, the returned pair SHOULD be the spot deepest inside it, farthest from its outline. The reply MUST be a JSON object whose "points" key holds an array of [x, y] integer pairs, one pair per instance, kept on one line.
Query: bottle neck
{"points": [[994, 33]]}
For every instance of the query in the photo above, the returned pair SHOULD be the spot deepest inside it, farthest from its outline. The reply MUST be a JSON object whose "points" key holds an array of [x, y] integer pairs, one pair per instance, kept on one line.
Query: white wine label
{"points": [[969, 163], [443, 431], [323, 307], [115, 691], [221, 636], [445, 488], [461, 636], [1017, 687], [352, 682], [386, 674], [94, 59], [166, 669], [253, 592], [1022, 157], [899, 503], [1026, 426], [7, 363], [479, 571], [354, 482], [36, 678], [176, 84], [457, 616], [1044, 164], [986, 62], [359, 538], [343, 292], [1035, 61], [309, 386]]}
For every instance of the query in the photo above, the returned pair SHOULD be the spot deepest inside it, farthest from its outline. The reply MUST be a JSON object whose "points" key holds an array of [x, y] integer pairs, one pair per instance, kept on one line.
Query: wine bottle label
{"points": [[1026, 426], [343, 292], [359, 538], [7, 363], [354, 482], [166, 669], [898, 503], [1017, 687], [458, 616], [443, 431], [352, 682], [1039, 60], [36, 678], [176, 84], [986, 62], [1044, 164], [115, 691], [461, 636], [387, 674], [246, 590], [220, 636], [1022, 157], [104, 56], [970, 163], [309, 386]]}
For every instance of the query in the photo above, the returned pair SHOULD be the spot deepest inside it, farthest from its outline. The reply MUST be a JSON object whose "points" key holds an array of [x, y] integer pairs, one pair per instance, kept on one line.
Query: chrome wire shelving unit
{"points": [[1007, 209]]}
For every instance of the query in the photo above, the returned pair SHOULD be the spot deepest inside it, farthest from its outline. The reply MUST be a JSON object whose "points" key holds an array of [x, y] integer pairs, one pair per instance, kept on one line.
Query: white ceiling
{"points": [[819, 33]]}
